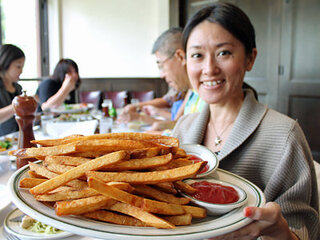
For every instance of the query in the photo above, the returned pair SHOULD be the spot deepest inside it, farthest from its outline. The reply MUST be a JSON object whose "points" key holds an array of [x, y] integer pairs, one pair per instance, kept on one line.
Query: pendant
{"points": [[217, 140]]}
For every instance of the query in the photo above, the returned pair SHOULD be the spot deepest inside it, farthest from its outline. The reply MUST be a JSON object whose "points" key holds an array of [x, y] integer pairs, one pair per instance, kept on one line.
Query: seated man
{"points": [[171, 62]]}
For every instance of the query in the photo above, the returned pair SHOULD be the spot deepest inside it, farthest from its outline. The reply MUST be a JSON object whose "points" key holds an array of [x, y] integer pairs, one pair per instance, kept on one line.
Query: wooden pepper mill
{"points": [[25, 108]]}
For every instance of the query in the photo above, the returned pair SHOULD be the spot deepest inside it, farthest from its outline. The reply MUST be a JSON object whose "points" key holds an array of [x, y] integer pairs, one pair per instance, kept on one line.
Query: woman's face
{"points": [[73, 74], [15, 69], [216, 63]]}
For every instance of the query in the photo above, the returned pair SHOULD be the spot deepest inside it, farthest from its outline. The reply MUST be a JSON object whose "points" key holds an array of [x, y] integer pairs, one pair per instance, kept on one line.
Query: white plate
{"points": [[76, 108], [15, 229], [205, 228], [205, 154], [4, 196]]}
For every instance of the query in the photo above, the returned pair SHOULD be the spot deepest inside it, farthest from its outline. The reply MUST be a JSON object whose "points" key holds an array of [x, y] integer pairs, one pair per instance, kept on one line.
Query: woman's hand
{"points": [[128, 117], [129, 108], [268, 223], [150, 110], [69, 82]]}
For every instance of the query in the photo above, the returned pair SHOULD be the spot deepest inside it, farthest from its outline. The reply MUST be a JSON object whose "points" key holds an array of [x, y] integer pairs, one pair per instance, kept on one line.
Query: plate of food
{"points": [[199, 228], [27, 228], [73, 108], [6, 144]]}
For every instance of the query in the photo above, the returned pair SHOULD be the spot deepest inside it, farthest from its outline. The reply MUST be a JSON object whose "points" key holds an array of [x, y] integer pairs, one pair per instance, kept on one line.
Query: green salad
{"points": [[6, 144], [38, 227]]}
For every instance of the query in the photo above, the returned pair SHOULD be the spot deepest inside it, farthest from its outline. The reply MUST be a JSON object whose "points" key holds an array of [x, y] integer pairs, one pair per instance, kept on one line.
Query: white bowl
{"points": [[205, 154], [218, 209]]}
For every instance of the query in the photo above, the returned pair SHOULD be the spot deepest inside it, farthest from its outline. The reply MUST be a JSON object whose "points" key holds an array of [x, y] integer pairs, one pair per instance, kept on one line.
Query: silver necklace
{"points": [[218, 139]]}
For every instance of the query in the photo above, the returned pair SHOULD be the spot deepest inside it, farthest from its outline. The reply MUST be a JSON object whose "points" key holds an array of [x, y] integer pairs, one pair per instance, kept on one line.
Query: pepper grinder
{"points": [[25, 108]]}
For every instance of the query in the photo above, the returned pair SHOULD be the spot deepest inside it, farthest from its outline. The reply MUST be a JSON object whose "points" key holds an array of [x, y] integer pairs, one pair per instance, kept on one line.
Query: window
{"points": [[20, 25]]}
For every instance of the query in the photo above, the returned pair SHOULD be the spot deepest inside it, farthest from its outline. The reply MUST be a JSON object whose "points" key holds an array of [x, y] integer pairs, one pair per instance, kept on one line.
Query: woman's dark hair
{"points": [[9, 53], [63, 67], [230, 17]]}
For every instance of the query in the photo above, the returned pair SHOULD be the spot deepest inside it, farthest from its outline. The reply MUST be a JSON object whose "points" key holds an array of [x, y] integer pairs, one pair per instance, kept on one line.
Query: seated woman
{"points": [[11, 64], [251, 140], [60, 87]]}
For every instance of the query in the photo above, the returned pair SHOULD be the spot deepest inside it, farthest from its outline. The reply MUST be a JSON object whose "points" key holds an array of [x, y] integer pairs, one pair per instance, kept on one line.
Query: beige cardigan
{"points": [[270, 150]]}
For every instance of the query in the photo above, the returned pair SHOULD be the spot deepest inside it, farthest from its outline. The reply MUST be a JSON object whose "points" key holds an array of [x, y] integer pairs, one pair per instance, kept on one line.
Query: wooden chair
{"points": [[142, 95], [94, 97], [119, 99]]}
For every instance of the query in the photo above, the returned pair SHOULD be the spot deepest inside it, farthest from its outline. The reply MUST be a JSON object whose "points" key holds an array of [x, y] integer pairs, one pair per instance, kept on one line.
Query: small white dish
{"points": [[13, 227], [203, 153], [214, 208]]}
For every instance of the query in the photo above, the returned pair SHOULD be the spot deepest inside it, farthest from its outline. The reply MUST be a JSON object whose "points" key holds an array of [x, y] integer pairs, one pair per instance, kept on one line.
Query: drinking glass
{"points": [[45, 120], [105, 125]]}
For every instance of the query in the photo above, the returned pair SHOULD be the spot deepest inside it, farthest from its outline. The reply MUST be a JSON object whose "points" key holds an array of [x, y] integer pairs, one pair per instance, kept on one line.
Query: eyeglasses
{"points": [[161, 63]]}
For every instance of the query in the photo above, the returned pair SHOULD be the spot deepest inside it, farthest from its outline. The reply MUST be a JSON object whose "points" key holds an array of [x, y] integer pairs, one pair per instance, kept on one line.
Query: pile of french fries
{"points": [[130, 179]]}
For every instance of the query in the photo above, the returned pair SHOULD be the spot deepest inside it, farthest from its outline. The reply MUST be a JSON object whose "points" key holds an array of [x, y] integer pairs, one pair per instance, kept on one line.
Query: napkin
{"points": [[63, 129]]}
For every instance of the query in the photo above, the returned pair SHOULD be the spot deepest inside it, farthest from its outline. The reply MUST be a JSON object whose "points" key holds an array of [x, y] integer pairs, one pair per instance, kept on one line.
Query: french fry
{"points": [[145, 204], [33, 174], [138, 164], [178, 153], [159, 195], [43, 151], [184, 187], [66, 160], [167, 187], [146, 217], [149, 152], [196, 212], [31, 182], [70, 194], [83, 205], [42, 171], [169, 141], [179, 220], [57, 168], [111, 145], [149, 177], [112, 217], [66, 195], [77, 172]]}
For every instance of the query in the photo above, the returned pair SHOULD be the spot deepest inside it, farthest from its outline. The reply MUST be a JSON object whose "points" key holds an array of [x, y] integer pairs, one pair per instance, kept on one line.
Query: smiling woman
{"points": [[251, 140]]}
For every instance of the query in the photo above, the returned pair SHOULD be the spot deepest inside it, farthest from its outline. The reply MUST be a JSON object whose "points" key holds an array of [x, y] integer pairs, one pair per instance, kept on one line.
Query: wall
{"points": [[107, 38]]}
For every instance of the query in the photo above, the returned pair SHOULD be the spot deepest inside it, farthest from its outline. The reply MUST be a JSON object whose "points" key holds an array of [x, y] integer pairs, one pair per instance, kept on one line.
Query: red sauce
{"points": [[214, 193], [196, 159]]}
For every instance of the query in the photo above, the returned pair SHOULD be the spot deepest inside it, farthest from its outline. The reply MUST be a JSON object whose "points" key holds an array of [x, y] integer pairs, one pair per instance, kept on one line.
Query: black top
{"points": [[6, 98], [48, 88]]}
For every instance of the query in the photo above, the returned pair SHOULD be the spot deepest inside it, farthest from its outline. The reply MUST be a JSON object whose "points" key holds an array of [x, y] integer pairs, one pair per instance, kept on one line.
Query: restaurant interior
{"points": [[111, 41]]}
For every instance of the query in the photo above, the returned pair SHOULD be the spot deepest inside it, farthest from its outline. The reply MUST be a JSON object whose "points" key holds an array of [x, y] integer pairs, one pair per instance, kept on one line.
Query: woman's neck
{"points": [[8, 85], [226, 112], [222, 118]]}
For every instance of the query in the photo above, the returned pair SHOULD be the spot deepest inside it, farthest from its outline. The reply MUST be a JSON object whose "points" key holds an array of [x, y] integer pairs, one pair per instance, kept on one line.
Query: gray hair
{"points": [[168, 42]]}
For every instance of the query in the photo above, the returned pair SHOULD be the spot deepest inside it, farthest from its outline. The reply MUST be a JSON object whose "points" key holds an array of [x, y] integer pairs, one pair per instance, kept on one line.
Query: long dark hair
{"points": [[9, 53], [63, 67], [229, 17]]}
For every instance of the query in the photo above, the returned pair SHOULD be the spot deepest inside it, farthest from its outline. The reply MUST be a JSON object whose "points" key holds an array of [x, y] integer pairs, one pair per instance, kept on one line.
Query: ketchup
{"points": [[214, 193], [196, 159]]}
